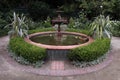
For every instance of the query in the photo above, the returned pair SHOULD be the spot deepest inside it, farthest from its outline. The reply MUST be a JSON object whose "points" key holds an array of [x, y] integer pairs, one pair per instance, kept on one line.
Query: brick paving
{"points": [[57, 65], [15, 71]]}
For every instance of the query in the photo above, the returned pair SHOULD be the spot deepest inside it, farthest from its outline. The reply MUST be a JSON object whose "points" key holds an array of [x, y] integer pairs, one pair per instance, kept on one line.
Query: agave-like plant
{"points": [[101, 27], [18, 26]]}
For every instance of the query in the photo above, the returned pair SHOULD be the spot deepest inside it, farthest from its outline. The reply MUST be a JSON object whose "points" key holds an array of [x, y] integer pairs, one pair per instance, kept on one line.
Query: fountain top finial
{"points": [[59, 15]]}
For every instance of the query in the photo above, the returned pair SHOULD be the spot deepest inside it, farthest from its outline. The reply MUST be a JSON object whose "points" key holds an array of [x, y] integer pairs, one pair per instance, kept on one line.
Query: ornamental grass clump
{"points": [[101, 27], [18, 26]]}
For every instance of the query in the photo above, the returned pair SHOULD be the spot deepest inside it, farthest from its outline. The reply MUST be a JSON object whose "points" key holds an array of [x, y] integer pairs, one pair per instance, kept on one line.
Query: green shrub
{"points": [[71, 23], [90, 52], [47, 22], [29, 52], [3, 32], [2, 23], [38, 10], [34, 25], [39, 24], [93, 8], [116, 28], [87, 32], [40, 30], [81, 22], [116, 9]]}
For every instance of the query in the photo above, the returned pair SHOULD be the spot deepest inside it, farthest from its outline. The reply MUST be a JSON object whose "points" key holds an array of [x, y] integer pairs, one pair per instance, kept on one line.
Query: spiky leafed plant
{"points": [[18, 26], [101, 27]]}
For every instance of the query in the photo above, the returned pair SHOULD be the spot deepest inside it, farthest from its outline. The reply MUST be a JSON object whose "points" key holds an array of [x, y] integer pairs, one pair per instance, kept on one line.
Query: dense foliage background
{"points": [[80, 13], [91, 8]]}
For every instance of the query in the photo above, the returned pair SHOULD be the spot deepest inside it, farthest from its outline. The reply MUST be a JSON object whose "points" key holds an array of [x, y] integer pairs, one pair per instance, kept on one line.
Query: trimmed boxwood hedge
{"points": [[29, 52], [90, 52]]}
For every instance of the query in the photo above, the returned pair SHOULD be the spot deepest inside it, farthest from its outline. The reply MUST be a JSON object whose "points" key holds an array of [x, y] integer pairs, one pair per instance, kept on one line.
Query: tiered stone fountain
{"points": [[58, 43]]}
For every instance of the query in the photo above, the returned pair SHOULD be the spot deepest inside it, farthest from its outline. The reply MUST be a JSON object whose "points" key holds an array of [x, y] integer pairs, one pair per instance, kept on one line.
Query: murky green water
{"points": [[62, 40]]}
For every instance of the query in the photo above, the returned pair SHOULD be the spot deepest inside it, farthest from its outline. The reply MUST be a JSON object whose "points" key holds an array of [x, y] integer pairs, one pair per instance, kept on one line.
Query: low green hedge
{"points": [[90, 52], [40, 30], [29, 52], [87, 32]]}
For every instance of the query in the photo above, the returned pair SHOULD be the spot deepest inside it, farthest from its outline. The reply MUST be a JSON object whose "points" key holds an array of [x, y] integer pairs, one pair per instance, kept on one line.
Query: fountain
{"points": [[59, 46], [60, 42], [59, 20]]}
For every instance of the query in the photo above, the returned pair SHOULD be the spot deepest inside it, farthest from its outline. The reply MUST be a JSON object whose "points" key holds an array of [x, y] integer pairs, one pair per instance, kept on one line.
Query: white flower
{"points": [[101, 6]]}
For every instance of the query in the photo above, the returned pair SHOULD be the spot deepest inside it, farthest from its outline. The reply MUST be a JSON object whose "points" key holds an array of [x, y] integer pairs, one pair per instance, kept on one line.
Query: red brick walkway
{"points": [[57, 65]]}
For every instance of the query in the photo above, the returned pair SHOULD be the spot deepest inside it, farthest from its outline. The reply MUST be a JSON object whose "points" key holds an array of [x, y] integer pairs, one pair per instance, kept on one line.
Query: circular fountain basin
{"points": [[55, 40]]}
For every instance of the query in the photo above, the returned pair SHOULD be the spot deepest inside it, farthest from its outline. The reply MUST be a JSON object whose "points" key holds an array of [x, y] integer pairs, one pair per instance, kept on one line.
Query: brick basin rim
{"points": [[27, 39]]}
